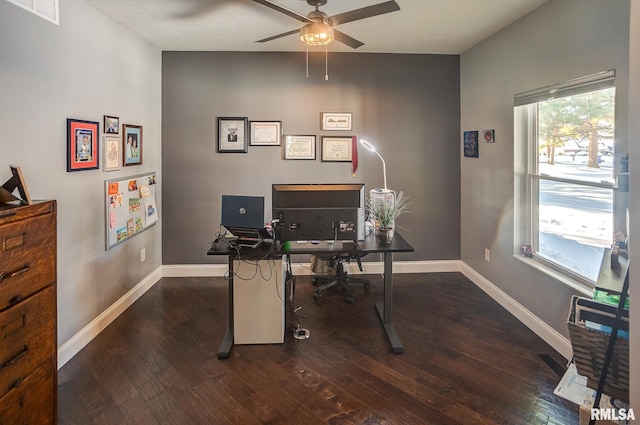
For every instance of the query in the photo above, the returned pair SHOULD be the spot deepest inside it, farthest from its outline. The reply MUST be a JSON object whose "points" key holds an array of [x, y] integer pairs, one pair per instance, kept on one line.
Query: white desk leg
{"points": [[224, 351], [385, 311]]}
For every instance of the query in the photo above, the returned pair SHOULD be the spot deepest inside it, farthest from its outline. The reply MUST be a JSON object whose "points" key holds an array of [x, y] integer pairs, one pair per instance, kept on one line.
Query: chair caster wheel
{"points": [[351, 300], [316, 295], [366, 286]]}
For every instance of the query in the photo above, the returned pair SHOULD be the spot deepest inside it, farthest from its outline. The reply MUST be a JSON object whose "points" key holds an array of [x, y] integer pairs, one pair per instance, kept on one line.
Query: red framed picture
{"points": [[82, 145]]}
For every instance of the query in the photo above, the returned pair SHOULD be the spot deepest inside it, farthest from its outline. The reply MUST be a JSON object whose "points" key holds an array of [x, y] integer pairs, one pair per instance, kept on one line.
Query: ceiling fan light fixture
{"points": [[316, 34]]}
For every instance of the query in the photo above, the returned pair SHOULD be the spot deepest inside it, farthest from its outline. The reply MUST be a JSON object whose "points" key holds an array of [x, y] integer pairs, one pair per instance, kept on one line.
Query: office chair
{"points": [[341, 277]]}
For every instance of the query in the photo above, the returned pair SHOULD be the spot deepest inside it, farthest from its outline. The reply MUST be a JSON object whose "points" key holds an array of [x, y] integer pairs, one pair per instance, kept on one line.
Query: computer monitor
{"points": [[318, 211]]}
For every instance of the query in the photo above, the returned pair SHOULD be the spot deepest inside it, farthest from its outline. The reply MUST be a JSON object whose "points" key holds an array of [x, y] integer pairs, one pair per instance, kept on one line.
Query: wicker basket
{"points": [[589, 349]]}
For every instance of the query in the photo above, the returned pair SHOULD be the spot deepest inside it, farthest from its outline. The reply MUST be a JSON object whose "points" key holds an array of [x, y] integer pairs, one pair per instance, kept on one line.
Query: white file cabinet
{"points": [[258, 302]]}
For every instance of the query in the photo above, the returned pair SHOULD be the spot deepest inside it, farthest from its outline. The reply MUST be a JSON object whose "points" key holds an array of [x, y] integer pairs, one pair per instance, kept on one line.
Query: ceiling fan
{"points": [[319, 28]]}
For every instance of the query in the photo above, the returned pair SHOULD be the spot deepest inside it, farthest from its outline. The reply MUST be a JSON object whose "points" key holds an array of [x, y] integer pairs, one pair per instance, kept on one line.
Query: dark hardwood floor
{"points": [[466, 361]]}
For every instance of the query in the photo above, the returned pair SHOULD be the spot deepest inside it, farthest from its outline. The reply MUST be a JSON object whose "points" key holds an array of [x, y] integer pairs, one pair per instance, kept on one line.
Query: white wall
{"points": [[634, 153], [561, 40], [550, 45], [85, 68]]}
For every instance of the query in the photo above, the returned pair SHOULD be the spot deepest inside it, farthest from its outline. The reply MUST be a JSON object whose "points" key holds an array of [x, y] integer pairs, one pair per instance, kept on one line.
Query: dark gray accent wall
{"points": [[407, 105]]}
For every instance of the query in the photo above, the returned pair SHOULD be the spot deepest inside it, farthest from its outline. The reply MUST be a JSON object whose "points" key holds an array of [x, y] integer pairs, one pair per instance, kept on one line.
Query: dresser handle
{"points": [[5, 214], [15, 299], [15, 358], [14, 273], [15, 384]]}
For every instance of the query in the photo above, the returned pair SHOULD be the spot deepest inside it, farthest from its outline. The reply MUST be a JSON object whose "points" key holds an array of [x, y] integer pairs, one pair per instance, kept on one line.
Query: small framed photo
{"points": [[232, 134], [265, 133], [470, 144], [111, 154], [111, 125], [339, 121], [82, 145], [337, 149], [299, 147], [15, 182], [132, 144], [489, 136]]}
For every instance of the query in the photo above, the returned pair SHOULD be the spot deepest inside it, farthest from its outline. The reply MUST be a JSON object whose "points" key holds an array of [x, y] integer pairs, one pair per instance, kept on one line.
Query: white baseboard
{"points": [[73, 346], [195, 270], [552, 337], [561, 344]]}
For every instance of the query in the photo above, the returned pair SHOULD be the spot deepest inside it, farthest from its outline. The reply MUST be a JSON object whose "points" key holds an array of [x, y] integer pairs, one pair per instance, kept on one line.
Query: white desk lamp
{"points": [[373, 149], [379, 195]]}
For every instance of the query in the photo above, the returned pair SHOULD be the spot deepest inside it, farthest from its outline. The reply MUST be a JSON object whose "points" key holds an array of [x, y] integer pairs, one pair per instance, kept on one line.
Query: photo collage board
{"points": [[130, 207]]}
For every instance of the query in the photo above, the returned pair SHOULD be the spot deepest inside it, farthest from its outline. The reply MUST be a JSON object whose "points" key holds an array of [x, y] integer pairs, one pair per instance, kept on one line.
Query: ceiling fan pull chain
{"points": [[326, 63], [307, 61]]}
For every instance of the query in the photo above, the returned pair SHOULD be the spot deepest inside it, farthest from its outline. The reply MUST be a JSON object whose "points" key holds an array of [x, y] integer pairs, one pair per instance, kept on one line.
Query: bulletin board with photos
{"points": [[130, 207]]}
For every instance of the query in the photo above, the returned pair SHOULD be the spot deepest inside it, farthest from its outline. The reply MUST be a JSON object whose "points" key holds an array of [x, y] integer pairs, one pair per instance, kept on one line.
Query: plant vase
{"points": [[385, 234]]}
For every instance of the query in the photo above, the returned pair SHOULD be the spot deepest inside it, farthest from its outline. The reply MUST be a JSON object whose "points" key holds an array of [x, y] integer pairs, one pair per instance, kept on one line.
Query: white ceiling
{"points": [[420, 26]]}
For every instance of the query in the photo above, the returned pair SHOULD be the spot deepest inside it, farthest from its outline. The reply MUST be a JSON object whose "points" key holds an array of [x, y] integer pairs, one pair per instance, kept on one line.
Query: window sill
{"points": [[581, 287]]}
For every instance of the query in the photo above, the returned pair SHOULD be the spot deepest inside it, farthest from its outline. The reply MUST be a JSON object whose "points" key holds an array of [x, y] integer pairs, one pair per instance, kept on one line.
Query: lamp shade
{"points": [[316, 34]]}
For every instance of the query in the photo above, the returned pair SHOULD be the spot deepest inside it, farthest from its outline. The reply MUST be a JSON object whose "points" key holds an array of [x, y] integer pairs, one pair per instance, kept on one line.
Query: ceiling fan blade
{"points": [[284, 10], [365, 12], [345, 39], [284, 34]]}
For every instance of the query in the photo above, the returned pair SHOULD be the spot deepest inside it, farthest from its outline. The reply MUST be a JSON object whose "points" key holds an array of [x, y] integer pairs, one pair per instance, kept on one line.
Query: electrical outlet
{"points": [[487, 255], [143, 254]]}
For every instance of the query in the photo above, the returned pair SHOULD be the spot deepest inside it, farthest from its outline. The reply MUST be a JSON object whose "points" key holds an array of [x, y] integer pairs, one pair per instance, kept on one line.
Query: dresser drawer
{"points": [[27, 337], [32, 402], [9, 214], [27, 258]]}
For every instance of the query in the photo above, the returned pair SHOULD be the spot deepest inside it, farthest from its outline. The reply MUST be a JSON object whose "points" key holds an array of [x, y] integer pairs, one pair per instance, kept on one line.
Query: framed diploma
{"points": [[336, 149], [266, 133], [336, 121], [300, 147]]}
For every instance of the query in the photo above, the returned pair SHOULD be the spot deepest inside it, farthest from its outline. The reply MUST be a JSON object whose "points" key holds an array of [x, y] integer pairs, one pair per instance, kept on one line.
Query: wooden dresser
{"points": [[28, 341]]}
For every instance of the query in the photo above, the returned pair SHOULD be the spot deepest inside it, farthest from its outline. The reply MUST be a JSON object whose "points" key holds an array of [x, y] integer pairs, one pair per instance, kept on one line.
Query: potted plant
{"points": [[384, 210]]}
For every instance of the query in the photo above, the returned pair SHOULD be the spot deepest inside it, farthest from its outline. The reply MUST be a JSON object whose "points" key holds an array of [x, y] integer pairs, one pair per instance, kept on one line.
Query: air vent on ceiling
{"points": [[47, 9]]}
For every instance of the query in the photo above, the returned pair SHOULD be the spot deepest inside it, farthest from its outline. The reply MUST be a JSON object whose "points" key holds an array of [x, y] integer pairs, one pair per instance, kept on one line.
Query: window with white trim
{"points": [[47, 9], [566, 143]]}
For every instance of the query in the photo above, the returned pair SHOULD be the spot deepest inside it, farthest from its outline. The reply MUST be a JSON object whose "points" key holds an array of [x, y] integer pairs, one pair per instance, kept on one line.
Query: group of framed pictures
{"points": [[470, 142], [83, 145], [236, 134]]}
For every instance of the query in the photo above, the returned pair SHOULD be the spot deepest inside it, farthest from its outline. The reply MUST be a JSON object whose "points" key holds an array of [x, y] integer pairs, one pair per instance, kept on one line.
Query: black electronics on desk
{"points": [[318, 211], [243, 216]]}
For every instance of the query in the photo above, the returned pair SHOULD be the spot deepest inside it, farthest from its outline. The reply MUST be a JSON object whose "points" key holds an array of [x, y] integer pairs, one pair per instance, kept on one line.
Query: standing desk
{"points": [[367, 246]]}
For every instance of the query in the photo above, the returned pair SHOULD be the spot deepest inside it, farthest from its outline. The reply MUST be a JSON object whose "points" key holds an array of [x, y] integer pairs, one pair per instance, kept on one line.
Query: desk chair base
{"points": [[341, 278]]}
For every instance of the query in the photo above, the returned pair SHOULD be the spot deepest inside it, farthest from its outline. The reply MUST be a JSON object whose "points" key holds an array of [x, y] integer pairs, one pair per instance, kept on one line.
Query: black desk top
{"points": [[369, 245]]}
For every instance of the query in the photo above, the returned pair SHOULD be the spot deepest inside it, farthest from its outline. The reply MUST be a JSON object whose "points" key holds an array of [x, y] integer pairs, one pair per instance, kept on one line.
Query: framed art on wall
{"points": [[82, 145], [265, 133], [132, 144], [470, 144], [232, 134], [111, 153], [111, 124], [299, 147], [489, 136], [336, 121], [337, 149]]}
